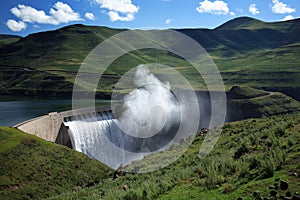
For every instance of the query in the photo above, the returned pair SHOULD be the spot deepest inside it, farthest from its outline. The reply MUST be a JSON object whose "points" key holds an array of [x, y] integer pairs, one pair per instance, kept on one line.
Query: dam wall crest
{"points": [[49, 126]]}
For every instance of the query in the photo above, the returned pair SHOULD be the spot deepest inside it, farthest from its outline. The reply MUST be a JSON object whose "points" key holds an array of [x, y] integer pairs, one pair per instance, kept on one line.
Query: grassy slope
{"points": [[250, 23], [247, 52], [46, 63], [241, 162], [246, 102], [33, 168], [7, 39], [260, 161]]}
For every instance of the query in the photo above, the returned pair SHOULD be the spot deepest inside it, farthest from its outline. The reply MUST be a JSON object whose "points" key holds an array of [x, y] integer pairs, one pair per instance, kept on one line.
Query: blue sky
{"points": [[22, 17]]}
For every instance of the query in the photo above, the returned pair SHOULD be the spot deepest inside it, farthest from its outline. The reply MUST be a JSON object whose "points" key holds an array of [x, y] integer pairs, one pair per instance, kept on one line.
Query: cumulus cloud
{"points": [[15, 26], [114, 16], [168, 21], [253, 9], [288, 17], [63, 13], [89, 16], [216, 8], [119, 10], [232, 13], [59, 13], [281, 8]]}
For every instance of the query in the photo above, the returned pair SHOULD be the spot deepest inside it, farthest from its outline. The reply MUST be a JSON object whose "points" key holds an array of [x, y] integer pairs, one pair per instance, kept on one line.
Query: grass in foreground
{"points": [[248, 157], [31, 168]]}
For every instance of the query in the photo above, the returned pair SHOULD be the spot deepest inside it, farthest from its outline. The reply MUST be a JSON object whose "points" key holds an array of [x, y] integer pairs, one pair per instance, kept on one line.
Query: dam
{"points": [[85, 130], [50, 127], [96, 133], [124, 133]]}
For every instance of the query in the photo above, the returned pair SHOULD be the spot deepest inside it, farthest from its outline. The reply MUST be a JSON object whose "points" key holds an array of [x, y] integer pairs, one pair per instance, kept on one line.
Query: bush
{"points": [[279, 130], [240, 151], [268, 168], [227, 188]]}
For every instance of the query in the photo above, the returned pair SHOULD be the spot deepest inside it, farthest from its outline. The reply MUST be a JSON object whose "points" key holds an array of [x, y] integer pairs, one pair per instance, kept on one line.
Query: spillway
{"points": [[98, 136]]}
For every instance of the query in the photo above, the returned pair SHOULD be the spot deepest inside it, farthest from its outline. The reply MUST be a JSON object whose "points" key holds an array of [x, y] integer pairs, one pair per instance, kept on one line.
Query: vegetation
{"points": [[250, 156], [7, 39], [34, 168], [247, 52], [246, 102], [245, 92]]}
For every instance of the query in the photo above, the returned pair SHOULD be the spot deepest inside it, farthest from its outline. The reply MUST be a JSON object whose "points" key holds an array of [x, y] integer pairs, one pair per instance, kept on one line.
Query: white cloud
{"points": [[89, 16], [216, 8], [63, 13], [281, 8], [60, 13], [29, 14], [15, 26], [288, 17], [114, 16], [119, 7], [253, 9], [168, 21], [232, 13]]}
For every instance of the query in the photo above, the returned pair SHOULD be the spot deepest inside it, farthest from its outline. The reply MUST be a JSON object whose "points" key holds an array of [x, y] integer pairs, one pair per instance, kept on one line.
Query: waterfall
{"points": [[150, 119], [99, 137]]}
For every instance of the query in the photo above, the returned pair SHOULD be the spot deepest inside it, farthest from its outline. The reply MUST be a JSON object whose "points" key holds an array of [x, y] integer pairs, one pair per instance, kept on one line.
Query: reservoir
{"points": [[16, 109]]}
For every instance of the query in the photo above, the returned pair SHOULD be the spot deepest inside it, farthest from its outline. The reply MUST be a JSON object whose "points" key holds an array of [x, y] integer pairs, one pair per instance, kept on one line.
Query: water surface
{"points": [[16, 109]]}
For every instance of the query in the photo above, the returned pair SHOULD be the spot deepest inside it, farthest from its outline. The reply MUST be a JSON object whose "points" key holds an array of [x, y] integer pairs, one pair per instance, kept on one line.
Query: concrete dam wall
{"points": [[51, 128]]}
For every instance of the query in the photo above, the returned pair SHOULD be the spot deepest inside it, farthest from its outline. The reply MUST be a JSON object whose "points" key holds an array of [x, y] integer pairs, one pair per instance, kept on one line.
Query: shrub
{"points": [[227, 188], [279, 130], [267, 167], [240, 151]]}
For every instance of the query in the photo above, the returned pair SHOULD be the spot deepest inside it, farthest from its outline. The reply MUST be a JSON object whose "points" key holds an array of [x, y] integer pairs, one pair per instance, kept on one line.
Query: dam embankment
{"points": [[49, 126]]}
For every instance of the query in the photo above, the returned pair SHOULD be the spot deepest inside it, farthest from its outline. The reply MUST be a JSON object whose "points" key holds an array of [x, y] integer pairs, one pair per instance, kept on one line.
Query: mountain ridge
{"points": [[252, 23], [59, 53], [238, 21]]}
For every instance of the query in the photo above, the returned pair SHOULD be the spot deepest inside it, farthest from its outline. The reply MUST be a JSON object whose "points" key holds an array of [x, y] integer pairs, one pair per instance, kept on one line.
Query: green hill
{"points": [[245, 102], [62, 49], [32, 168], [251, 23], [242, 23], [7, 39], [247, 52], [6, 36], [251, 157]]}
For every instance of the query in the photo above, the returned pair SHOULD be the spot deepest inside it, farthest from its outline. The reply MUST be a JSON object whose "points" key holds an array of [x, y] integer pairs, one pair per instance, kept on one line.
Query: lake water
{"points": [[16, 109]]}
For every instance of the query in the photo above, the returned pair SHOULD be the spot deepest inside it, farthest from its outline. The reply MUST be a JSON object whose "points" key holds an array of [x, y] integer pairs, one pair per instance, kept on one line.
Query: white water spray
{"points": [[150, 113]]}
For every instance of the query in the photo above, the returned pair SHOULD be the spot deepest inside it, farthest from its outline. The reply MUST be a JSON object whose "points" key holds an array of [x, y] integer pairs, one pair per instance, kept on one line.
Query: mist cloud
{"points": [[149, 108]]}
